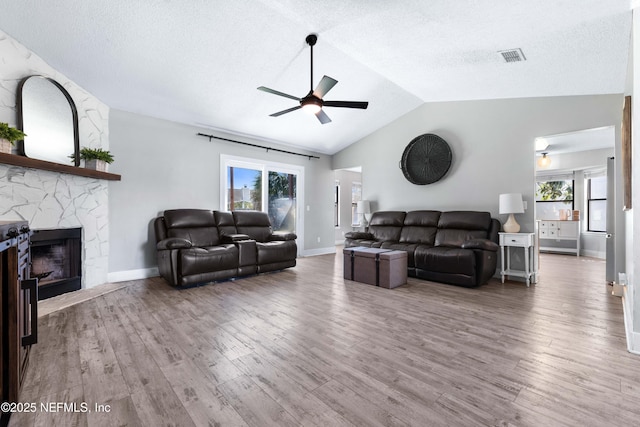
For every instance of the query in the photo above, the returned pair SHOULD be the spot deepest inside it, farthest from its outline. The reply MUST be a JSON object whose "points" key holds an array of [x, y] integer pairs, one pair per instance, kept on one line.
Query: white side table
{"points": [[518, 240]]}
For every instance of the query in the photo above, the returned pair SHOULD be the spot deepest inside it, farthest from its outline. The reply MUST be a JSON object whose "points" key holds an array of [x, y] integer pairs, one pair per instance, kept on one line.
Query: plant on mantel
{"points": [[9, 135], [95, 158]]}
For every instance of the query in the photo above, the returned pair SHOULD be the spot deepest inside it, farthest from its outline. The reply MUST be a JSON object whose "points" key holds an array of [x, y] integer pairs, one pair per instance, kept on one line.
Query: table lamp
{"points": [[511, 203], [364, 208]]}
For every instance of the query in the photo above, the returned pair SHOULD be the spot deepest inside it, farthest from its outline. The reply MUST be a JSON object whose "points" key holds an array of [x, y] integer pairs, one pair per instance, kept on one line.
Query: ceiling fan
{"points": [[313, 101]]}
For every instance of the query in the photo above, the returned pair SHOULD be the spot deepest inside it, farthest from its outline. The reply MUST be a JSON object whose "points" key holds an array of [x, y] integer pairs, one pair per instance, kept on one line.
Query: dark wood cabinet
{"points": [[19, 317]]}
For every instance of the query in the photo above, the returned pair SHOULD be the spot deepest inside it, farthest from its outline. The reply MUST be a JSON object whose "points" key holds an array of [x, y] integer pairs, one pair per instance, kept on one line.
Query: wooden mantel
{"points": [[17, 160]]}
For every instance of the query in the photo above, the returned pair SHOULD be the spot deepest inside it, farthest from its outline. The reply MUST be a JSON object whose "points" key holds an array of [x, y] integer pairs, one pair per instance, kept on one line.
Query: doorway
{"points": [[347, 194], [570, 193]]}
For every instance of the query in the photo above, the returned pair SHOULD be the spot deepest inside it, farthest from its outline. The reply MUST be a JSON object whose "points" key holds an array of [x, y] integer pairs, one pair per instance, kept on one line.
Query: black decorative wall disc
{"points": [[426, 159]]}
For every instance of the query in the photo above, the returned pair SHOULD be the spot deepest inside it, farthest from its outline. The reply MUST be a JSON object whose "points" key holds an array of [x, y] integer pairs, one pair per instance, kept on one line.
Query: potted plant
{"points": [[8, 135], [95, 158]]}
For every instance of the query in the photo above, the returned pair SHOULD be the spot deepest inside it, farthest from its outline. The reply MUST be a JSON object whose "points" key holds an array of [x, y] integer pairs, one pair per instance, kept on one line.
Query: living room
{"points": [[165, 164]]}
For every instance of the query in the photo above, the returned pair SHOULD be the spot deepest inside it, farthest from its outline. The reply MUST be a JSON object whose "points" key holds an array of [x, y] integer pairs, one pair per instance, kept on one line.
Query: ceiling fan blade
{"points": [[279, 113], [275, 92], [322, 116], [325, 85], [346, 104]]}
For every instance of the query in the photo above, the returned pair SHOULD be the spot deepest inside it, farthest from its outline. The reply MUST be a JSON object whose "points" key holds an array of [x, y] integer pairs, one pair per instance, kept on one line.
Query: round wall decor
{"points": [[426, 159]]}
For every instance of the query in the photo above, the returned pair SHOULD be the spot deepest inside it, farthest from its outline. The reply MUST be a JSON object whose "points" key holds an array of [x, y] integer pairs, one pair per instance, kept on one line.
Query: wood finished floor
{"points": [[305, 347]]}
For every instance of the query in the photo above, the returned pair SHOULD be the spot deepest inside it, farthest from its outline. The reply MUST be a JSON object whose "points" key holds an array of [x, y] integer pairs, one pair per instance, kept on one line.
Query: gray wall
{"points": [[165, 165], [493, 150]]}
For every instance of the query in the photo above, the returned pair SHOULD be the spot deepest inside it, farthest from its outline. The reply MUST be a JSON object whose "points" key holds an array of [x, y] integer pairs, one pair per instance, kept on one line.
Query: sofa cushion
{"points": [[255, 224], [385, 226], [195, 225], [420, 227], [208, 259], [276, 251], [445, 260], [465, 220], [455, 227], [225, 224]]}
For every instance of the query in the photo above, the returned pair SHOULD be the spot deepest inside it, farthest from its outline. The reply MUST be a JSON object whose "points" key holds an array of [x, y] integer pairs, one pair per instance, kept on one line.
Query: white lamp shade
{"points": [[363, 207], [511, 203]]}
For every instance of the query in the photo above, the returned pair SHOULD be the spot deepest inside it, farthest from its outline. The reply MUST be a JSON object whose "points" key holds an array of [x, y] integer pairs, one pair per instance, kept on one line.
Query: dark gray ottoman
{"points": [[374, 266]]}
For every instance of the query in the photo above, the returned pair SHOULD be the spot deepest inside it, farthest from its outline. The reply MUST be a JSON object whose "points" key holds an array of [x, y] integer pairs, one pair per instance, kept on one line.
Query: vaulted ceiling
{"points": [[199, 62]]}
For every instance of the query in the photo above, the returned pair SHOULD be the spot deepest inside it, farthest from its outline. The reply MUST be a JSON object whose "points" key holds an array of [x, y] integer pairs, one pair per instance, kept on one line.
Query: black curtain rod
{"points": [[258, 146]]}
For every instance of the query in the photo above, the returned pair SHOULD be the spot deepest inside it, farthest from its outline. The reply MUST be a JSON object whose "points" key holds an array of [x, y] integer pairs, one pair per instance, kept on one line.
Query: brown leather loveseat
{"points": [[458, 247], [198, 246]]}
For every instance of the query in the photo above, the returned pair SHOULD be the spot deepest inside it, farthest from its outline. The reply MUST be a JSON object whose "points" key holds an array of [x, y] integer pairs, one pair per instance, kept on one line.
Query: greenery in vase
{"points": [[11, 134], [87, 154]]}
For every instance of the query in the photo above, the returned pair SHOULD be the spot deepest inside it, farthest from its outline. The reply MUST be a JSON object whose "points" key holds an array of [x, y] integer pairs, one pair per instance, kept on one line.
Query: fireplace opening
{"points": [[56, 260]]}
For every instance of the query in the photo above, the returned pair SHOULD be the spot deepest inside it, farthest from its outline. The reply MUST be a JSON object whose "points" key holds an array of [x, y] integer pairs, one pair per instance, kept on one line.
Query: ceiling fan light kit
{"points": [[313, 101]]}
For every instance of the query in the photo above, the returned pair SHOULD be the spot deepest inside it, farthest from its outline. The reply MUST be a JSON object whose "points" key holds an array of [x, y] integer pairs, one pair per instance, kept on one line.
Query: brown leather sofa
{"points": [[458, 247], [199, 246]]}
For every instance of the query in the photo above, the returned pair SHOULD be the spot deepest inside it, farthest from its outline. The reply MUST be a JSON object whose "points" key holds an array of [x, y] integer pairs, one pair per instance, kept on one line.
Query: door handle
{"points": [[31, 285]]}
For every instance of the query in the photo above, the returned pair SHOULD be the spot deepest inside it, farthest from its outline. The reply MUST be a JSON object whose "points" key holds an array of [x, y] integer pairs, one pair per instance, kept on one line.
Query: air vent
{"points": [[512, 55]]}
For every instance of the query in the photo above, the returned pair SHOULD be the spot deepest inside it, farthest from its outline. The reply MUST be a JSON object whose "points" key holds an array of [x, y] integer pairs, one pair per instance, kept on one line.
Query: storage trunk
{"points": [[374, 266]]}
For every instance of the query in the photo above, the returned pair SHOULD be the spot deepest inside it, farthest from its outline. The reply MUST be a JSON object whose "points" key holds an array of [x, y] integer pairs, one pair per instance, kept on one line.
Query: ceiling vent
{"points": [[512, 55]]}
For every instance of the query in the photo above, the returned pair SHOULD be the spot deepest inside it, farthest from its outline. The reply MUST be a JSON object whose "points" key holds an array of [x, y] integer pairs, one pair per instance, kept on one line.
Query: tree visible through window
{"points": [[552, 196]]}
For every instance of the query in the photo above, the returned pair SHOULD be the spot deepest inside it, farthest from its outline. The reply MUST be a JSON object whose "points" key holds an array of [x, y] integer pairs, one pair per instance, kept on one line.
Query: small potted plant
{"points": [[9, 135], [95, 158]]}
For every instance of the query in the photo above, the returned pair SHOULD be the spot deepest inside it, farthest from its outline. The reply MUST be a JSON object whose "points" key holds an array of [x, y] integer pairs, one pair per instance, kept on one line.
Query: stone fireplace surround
{"points": [[51, 199]]}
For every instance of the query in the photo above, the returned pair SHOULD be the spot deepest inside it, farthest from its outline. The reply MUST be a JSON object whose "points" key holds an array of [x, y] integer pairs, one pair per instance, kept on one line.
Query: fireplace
{"points": [[56, 260]]}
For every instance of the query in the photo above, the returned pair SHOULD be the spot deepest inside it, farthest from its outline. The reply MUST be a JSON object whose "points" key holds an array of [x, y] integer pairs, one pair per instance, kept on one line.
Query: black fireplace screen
{"points": [[56, 260]]}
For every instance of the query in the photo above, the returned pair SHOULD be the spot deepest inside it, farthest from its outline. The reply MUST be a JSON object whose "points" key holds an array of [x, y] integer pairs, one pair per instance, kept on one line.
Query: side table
{"points": [[518, 240]]}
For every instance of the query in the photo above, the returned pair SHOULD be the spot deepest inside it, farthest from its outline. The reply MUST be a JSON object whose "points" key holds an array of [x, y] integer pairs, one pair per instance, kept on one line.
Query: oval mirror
{"points": [[49, 118]]}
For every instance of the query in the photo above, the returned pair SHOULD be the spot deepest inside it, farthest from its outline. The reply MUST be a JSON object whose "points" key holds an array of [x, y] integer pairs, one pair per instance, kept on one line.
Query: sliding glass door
{"points": [[249, 184], [282, 200]]}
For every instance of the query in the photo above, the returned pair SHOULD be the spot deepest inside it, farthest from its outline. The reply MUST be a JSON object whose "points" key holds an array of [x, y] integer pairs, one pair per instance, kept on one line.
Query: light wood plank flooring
{"points": [[305, 347]]}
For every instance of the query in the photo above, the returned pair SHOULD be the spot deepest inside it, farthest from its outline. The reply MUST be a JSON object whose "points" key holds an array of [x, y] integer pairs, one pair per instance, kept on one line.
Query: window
{"points": [[336, 205], [250, 184], [356, 196], [553, 196], [597, 204], [244, 191]]}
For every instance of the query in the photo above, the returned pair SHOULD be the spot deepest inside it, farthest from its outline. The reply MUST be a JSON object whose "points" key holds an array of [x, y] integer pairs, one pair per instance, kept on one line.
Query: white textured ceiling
{"points": [[200, 61]]}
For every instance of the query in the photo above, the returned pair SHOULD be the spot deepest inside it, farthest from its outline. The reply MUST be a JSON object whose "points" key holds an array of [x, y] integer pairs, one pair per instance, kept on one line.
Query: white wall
{"points": [[165, 165], [50, 199], [493, 147]]}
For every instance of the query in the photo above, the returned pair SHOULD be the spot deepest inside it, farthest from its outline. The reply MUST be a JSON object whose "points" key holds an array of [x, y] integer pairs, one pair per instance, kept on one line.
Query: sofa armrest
{"points": [[359, 235], [282, 236], [482, 244], [232, 238], [173, 243]]}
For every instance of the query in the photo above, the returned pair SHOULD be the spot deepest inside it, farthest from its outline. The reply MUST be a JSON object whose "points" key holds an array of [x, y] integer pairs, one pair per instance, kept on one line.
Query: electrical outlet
{"points": [[318, 239]]}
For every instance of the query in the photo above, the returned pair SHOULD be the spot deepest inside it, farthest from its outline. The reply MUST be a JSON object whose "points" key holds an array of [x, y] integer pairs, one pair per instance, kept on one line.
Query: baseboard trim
{"points": [[633, 338], [319, 251], [123, 276], [593, 254]]}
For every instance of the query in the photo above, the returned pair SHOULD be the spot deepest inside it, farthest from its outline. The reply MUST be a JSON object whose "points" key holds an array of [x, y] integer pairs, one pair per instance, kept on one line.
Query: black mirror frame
{"points": [[74, 113]]}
